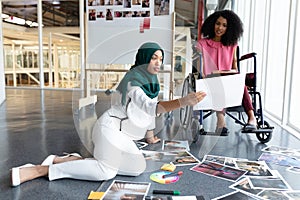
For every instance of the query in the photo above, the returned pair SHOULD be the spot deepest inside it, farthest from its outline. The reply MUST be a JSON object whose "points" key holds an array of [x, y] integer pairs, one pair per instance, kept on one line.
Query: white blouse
{"points": [[136, 116]]}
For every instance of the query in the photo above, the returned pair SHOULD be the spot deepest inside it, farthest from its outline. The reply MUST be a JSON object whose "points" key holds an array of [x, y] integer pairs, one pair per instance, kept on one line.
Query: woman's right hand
{"points": [[192, 98]]}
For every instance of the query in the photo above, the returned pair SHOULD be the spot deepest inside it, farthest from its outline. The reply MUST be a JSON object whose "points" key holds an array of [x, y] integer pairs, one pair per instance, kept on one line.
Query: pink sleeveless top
{"points": [[215, 55]]}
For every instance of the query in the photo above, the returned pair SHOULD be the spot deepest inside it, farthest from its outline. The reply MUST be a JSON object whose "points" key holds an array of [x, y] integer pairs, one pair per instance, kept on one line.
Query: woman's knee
{"points": [[107, 173], [131, 173]]}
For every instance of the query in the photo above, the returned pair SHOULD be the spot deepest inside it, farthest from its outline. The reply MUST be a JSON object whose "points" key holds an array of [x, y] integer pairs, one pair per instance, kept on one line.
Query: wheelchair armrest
{"points": [[247, 56]]}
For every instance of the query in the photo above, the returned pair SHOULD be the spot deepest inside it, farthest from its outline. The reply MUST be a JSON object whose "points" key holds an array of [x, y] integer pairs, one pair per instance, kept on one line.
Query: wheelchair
{"points": [[194, 118]]}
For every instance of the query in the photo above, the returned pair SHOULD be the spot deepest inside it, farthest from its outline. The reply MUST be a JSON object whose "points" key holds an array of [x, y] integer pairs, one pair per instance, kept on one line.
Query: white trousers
{"points": [[114, 153]]}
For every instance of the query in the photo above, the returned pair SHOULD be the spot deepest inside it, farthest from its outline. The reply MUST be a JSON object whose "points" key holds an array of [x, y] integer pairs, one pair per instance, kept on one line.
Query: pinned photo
{"points": [[161, 7], [219, 171]]}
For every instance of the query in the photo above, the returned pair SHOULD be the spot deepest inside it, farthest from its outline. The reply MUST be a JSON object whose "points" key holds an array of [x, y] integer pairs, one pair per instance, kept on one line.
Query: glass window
{"points": [[295, 96], [259, 31], [276, 57]]}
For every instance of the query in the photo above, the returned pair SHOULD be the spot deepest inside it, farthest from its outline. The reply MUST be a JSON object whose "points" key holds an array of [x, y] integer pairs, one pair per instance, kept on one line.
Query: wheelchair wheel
{"points": [[185, 114], [195, 129], [264, 136]]}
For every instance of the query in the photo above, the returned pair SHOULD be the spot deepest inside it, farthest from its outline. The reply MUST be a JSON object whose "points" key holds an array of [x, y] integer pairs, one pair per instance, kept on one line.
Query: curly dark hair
{"points": [[234, 27]]}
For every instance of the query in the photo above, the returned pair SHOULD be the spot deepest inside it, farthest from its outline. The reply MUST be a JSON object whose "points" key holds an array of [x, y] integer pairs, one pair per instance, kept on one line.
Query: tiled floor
{"points": [[35, 123]]}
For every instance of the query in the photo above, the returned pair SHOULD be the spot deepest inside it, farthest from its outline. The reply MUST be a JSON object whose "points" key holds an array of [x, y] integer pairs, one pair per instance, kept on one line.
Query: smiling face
{"points": [[155, 62], [220, 28]]}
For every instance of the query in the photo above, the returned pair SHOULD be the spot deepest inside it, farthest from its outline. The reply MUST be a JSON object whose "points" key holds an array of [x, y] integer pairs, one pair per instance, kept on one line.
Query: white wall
{"points": [[2, 81], [123, 35]]}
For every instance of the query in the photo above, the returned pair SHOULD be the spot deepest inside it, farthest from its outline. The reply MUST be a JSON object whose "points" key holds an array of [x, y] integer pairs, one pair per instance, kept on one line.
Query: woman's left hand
{"points": [[151, 138]]}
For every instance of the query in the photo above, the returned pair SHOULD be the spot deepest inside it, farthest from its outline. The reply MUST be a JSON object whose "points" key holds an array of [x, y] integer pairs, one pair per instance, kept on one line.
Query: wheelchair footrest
{"points": [[212, 133], [260, 130]]}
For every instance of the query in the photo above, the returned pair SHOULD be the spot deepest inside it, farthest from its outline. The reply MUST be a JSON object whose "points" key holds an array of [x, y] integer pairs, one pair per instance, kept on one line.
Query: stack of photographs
{"points": [[294, 153], [253, 179], [282, 156], [263, 187], [175, 152], [178, 158]]}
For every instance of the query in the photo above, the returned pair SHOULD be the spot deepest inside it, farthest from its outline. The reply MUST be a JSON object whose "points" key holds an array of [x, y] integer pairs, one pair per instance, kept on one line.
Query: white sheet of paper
{"points": [[221, 92]]}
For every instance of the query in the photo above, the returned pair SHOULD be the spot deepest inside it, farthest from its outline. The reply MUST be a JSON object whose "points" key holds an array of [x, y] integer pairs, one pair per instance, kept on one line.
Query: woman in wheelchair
{"points": [[221, 32]]}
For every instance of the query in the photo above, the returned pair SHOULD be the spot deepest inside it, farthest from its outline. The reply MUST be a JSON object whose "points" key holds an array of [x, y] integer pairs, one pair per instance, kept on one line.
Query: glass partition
{"points": [[22, 62]]}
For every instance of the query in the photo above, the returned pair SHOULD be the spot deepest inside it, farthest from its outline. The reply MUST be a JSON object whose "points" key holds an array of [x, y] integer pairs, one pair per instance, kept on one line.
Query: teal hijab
{"points": [[138, 74]]}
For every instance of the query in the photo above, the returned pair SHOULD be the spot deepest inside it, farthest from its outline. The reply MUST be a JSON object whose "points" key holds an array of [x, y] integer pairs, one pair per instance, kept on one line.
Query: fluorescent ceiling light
{"points": [[55, 2], [15, 20], [19, 21], [4, 16]]}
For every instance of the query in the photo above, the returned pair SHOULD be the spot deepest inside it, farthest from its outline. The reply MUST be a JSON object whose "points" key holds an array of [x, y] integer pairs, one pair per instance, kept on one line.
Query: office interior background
{"points": [[47, 126], [270, 30]]}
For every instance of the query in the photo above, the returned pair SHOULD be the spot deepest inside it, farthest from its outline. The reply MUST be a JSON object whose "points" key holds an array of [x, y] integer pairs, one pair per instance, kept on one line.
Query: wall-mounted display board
{"points": [[116, 29]]}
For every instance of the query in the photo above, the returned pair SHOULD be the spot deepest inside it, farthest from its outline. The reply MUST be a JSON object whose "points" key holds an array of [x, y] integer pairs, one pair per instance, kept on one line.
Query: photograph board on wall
{"points": [[116, 29]]}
